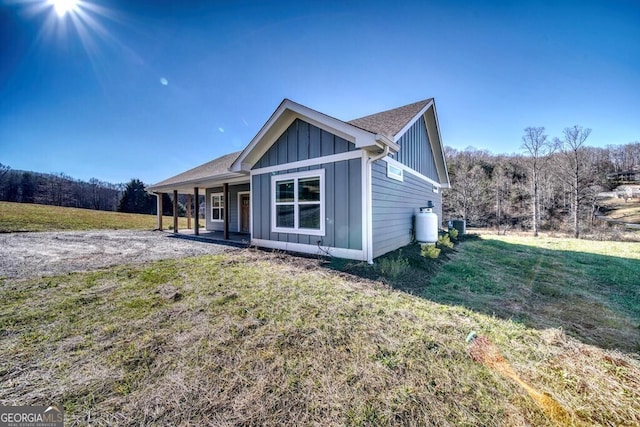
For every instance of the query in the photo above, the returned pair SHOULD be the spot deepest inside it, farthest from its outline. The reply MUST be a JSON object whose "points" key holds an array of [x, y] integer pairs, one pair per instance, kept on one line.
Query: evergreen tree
{"points": [[28, 184], [135, 199]]}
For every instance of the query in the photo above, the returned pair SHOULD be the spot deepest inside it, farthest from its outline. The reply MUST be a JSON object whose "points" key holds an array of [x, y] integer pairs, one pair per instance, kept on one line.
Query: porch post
{"points": [[196, 226], [225, 191], [175, 211], [159, 208], [188, 210]]}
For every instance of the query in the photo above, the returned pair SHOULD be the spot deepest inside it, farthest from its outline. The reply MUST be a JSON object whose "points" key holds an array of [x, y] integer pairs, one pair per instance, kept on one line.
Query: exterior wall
{"points": [[302, 141], [231, 206], [343, 206], [415, 150], [394, 205]]}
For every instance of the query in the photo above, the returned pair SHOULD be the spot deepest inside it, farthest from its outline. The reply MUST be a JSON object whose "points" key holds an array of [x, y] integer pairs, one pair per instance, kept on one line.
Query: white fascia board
{"points": [[186, 187]]}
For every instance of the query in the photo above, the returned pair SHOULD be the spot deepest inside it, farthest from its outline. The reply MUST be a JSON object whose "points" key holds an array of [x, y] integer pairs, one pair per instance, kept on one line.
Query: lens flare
{"points": [[63, 6]]}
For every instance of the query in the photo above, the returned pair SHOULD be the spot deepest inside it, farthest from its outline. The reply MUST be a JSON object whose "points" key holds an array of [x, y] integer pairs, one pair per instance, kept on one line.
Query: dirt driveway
{"points": [[24, 255]]}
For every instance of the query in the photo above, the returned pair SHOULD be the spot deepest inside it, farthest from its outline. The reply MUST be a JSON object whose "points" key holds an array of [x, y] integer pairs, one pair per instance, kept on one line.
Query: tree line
{"points": [[60, 189], [552, 184]]}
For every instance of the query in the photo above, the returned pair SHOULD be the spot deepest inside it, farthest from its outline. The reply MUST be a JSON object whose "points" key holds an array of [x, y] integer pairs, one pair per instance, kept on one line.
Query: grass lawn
{"points": [[31, 217], [590, 289], [252, 338], [618, 209]]}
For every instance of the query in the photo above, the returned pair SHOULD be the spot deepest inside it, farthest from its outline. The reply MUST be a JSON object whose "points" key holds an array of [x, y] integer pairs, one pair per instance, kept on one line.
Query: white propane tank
{"points": [[427, 225]]}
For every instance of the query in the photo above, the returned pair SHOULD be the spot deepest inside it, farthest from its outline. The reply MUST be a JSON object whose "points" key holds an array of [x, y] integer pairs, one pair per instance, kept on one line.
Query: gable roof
{"points": [[372, 132], [390, 122], [218, 168], [286, 113]]}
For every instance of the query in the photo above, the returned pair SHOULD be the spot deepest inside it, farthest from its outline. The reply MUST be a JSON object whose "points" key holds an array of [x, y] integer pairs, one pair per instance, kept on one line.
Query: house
{"points": [[311, 183]]}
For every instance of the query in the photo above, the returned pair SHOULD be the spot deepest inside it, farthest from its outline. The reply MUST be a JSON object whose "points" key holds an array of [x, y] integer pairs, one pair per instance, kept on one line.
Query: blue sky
{"points": [[147, 89]]}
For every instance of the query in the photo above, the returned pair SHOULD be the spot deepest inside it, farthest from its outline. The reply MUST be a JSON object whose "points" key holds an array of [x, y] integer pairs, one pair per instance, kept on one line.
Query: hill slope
{"points": [[32, 217], [264, 339]]}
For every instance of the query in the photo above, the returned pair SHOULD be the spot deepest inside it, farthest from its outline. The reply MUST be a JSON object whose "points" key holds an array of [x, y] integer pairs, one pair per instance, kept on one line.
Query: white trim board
{"points": [[348, 155], [355, 254]]}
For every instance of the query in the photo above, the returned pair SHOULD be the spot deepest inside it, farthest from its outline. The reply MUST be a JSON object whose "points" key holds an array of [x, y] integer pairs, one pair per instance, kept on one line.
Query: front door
{"points": [[244, 213]]}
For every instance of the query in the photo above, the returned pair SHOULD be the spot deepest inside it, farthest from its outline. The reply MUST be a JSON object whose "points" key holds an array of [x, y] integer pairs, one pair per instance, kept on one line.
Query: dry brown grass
{"points": [[268, 339]]}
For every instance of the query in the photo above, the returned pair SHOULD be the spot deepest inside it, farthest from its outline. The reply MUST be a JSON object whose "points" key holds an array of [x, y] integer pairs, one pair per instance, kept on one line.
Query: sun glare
{"points": [[63, 6]]}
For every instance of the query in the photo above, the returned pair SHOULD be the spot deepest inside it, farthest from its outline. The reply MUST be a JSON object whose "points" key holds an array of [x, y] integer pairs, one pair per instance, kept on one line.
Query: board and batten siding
{"points": [[231, 206], [343, 206], [415, 150], [302, 141], [394, 206]]}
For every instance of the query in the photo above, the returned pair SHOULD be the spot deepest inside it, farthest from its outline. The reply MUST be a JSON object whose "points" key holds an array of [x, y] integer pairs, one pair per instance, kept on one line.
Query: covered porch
{"points": [[226, 201]]}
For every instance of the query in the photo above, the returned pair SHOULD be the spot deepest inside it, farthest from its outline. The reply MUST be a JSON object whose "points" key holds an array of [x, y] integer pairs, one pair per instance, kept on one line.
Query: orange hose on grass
{"points": [[484, 351]]}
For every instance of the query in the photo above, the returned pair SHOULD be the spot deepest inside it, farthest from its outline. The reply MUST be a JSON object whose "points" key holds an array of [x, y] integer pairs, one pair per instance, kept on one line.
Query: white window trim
{"points": [[224, 208], [395, 172], [296, 229]]}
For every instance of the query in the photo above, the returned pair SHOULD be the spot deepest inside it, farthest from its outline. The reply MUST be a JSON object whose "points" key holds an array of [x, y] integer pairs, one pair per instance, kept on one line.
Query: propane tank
{"points": [[427, 224]]}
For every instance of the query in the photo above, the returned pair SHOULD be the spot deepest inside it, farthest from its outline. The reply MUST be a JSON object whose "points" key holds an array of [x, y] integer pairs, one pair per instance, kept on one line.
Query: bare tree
{"points": [[576, 168], [540, 150]]}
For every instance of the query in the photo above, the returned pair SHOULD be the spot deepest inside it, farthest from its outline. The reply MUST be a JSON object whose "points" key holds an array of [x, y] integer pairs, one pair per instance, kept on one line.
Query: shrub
{"points": [[453, 233], [394, 267], [444, 241], [429, 251]]}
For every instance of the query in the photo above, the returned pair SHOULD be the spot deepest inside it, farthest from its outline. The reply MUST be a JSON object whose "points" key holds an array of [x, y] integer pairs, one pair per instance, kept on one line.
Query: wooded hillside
{"points": [[559, 183]]}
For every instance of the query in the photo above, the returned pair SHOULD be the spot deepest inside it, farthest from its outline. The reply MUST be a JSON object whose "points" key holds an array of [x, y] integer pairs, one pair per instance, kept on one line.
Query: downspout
{"points": [[370, 161]]}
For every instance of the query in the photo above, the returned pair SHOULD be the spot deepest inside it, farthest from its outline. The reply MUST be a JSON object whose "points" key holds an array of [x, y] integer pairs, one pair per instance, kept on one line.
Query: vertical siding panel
{"points": [[326, 146], [341, 194], [341, 145], [303, 140], [314, 140], [330, 203], [256, 201], [415, 150], [355, 204], [282, 146], [293, 142]]}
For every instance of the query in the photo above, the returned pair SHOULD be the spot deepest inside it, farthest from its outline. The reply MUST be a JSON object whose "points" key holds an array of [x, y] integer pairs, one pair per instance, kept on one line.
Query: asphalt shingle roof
{"points": [[390, 122], [215, 167]]}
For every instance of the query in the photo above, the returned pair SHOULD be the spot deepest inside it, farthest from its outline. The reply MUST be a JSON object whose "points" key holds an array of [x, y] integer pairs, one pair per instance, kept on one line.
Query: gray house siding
{"points": [[302, 141], [343, 206], [231, 207], [394, 205], [415, 150]]}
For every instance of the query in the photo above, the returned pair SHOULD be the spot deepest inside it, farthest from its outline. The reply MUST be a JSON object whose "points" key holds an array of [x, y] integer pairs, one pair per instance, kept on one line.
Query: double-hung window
{"points": [[298, 203], [217, 207]]}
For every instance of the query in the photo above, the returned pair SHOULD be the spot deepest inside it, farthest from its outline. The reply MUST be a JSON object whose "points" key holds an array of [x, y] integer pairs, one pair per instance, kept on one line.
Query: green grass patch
{"points": [[590, 289], [31, 217], [267, 339]]}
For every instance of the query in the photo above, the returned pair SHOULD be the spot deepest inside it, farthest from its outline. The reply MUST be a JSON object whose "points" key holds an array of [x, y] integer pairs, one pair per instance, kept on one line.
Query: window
{"points": [[394, 172], [217, 207], [298, 203]]}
